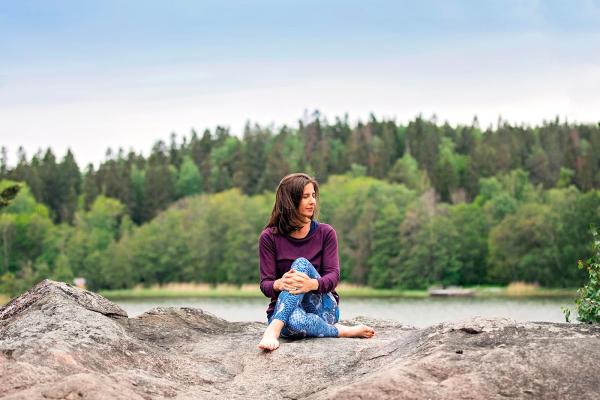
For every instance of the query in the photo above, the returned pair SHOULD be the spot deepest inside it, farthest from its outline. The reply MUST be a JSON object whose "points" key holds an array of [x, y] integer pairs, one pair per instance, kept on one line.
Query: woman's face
{"points": [[308, 201]]}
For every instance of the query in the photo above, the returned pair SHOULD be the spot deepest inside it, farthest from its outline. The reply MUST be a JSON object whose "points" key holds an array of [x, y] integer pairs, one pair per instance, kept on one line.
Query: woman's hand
{"points": [[298, 282], [284, 283]]}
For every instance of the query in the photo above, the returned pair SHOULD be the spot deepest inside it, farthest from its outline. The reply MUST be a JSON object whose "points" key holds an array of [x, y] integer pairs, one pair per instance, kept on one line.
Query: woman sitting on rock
{"points": [[299, 268]]}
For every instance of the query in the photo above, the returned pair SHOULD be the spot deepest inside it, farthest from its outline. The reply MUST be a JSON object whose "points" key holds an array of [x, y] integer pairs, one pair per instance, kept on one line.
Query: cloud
{"points": [[525, 77]]}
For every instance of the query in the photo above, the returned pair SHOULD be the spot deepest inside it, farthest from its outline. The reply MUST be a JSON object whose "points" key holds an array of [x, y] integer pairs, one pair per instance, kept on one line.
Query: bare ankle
{"points": [[342, 330], [275, 327]]}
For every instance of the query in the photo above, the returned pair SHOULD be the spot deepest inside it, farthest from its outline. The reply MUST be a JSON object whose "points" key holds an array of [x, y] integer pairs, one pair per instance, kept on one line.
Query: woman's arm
{"points": [[269, 284], [330, 275]]}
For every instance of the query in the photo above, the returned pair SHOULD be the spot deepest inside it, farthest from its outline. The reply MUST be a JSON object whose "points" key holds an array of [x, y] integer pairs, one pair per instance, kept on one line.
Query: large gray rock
{"points": [[60, 342]]}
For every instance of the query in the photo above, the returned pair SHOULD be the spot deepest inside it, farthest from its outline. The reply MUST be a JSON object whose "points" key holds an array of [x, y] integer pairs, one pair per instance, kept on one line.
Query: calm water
{"points": [[415, 312]]}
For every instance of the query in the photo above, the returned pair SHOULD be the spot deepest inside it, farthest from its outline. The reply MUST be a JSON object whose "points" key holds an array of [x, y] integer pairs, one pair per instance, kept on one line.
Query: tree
{"points": [[113, 178], [189, 180], [200, 150], [472, 230], [520, 247], [7, 230], [406, 171], [62, 269], [251, 159], [25, 233], [94, 231], [51, 185], [3, 163], [159, 183], [588, 297], [449, 170], [223, 160], [138, 179], [384, 261], [70, 182], [90, 188]]}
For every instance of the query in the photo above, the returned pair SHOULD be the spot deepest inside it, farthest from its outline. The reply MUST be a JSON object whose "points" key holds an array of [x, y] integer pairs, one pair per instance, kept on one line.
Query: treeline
{"points": [[453, 159], [391, 235]]}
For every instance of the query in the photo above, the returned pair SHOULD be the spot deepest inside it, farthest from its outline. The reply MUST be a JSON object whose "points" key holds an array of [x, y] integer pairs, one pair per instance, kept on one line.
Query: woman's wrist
{"points": [[315, 284], [277, 285]]}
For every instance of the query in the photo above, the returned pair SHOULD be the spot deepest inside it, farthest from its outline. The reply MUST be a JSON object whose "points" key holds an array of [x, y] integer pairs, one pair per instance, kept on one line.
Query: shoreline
{"points": [[175, 291]]}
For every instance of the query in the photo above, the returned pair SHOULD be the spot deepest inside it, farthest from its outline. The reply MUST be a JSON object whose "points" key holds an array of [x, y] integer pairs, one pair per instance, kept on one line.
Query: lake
{"points": [[416, 312]]}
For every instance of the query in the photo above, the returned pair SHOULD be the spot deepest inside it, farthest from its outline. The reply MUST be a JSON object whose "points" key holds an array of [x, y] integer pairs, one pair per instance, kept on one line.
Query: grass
{"points": [[180, 290], [175, 290], [524, 290], [193, 290], [3, 299], [348, 290]]}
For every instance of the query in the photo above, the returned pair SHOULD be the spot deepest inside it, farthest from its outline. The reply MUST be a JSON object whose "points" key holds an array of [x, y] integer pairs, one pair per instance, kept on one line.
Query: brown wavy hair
{"points": [[285, 217]]}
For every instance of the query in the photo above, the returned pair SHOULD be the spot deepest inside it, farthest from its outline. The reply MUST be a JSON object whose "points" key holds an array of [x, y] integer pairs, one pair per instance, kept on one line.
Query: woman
{"points": [[299, 268]]}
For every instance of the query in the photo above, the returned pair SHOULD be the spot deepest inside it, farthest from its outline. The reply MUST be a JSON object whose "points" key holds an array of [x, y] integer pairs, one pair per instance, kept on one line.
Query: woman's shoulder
{"points": [[267, 233], [326, 229]]}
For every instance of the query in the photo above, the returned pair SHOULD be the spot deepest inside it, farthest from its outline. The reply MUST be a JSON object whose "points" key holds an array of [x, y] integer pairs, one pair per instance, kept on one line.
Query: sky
{"points": [[92, 75]]}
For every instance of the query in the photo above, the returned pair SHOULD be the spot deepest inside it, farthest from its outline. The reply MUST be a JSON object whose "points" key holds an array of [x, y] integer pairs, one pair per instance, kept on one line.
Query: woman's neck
{"points": [[302, 232]]}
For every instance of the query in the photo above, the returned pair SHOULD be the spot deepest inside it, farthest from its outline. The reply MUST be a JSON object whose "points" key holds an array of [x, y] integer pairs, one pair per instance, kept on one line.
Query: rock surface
{"points": [[60, 342]]}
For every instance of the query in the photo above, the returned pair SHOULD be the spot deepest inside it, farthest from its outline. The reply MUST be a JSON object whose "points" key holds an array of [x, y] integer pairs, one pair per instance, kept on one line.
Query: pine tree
{"points": [[159, 182], [90, 188], [70, 182], [52, 192], [200, 150], [3, 163], [137, 208], [250, 162]]}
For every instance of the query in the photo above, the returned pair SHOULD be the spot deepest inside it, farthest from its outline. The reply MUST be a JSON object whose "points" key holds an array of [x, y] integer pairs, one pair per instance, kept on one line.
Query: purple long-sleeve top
{"points": [[277, 253]]}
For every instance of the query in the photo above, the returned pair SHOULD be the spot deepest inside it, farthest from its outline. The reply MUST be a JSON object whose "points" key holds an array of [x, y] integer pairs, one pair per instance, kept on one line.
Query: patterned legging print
{"points": [[307, 314]]}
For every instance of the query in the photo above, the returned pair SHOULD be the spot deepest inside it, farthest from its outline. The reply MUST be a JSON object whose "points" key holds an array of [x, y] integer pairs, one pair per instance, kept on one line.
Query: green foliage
{"points": [[223, 160], [429, 249], [449, 169], [503, 194], [357, 170], [355, 206], [587, 304], [518, 250], [453, 158], [406, 170], [205, 239], [137, 177], [384, 262], [472, 229], [24, 228], [565, 177], [460, 205], [389, 237], [189, 180], [62, 269], [86, 243], [159, 182]]}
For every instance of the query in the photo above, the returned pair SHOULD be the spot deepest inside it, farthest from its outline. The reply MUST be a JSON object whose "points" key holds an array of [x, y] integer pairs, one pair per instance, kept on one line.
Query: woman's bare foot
{"points": [[269, 341], [358, 331]]}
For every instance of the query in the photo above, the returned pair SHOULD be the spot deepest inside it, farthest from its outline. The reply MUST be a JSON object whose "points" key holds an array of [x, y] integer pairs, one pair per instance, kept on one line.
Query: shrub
{"points": [[587, 303]]}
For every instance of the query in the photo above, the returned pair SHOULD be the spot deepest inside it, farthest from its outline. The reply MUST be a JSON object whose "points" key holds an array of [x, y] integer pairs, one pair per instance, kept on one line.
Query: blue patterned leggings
{"points": [[306, 314]]}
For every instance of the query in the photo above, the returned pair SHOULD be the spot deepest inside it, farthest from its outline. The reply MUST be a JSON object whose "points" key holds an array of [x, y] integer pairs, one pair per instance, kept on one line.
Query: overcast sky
{"points": [[91, 75]]}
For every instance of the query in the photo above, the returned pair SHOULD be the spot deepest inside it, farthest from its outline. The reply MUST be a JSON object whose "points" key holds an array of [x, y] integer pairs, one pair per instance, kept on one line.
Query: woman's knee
{"points": [[302, 264]]}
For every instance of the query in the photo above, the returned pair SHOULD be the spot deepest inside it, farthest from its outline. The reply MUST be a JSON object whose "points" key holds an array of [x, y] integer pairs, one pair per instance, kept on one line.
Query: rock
{"points": [[60, 342]]}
